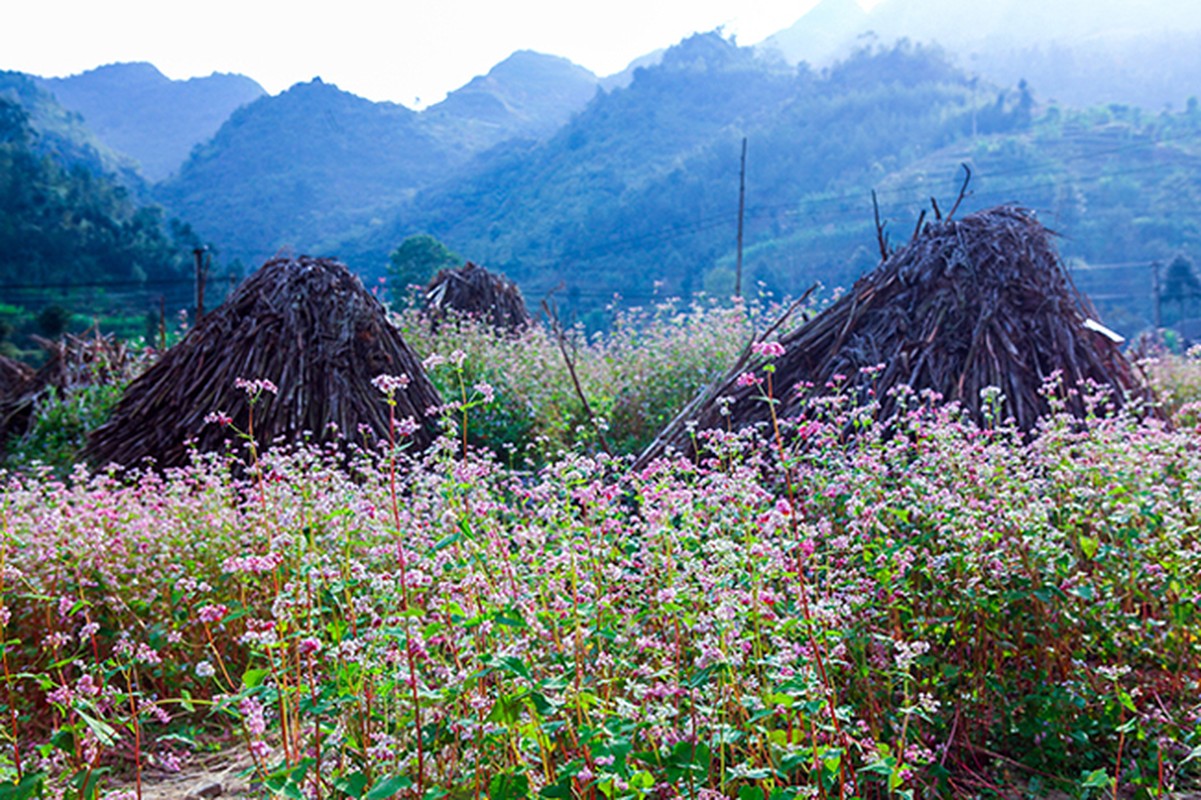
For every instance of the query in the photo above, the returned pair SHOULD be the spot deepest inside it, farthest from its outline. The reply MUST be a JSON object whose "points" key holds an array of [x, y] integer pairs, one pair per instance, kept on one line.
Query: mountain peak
{"points": [[821, 33], [137, 110], [528, 94]]}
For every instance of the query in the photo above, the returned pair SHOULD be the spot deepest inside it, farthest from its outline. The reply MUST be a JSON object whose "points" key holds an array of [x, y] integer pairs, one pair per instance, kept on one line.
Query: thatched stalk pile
{"points": [[14, 376], [71, 362], [473, 291], [307, 326], [968, 304]]}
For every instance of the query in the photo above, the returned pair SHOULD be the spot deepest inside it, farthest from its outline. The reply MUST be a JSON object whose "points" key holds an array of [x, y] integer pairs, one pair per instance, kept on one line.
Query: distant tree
{"points": [[416, 261], [53, 321], [1024, 112], [14, 123], [1181, 286]]}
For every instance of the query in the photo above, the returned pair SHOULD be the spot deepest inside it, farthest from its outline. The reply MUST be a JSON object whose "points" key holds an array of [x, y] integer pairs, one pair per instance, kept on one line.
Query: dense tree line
{"points": [[71, 240]]}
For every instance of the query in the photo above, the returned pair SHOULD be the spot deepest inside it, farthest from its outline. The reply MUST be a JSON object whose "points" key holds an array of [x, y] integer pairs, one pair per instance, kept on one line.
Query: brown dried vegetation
{"points": [[474, 291], [308, 326], [968, 304]]}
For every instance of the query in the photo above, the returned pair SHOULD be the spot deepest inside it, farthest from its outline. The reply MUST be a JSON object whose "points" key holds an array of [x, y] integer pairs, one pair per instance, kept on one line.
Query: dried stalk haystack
{"points": [[968, 304], [472, 290], [14, 376], [308, 326], [92, 358], [71, 362]]}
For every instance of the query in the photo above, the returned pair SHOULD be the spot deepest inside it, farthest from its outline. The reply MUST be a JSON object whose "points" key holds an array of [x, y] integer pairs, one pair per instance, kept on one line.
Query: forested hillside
{"points": [[642, 187], [73, 244], [317, 164], [64, 135], [294, 169], [156, 121], [632, 189], [639, 193]]}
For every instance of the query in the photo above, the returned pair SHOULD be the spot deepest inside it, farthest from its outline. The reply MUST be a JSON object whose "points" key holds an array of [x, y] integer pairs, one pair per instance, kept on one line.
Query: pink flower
{"points": [[309, 644], [62, 695], [252, 716], [87, 686], [211, 614], [748, 379], [218, 418], [769, 349], [256, 387], [390, 384], [406, 426], [485, 390]]}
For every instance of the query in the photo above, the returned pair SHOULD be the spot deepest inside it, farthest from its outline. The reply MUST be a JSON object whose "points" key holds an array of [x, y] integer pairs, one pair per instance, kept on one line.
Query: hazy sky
{"points": [[398, 51]]}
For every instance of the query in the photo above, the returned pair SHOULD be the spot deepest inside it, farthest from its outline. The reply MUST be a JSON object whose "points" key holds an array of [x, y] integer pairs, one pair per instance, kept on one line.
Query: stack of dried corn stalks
{"points": [[307, 326], [968, 304], [473, 291]]}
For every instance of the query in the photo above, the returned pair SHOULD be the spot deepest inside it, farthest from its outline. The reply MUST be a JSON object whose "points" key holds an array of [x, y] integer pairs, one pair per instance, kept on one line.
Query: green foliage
{"points": [[72, 240], [61, 424], [416, 261], [636, 376], [1181, 288]]}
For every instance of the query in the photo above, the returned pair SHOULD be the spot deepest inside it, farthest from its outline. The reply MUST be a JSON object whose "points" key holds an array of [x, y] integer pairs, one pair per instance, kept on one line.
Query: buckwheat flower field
{"points": [[831, 607]]}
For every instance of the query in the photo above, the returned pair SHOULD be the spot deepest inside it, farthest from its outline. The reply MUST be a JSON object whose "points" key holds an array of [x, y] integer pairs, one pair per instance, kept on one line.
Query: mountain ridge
{"points": [[155, 120]]}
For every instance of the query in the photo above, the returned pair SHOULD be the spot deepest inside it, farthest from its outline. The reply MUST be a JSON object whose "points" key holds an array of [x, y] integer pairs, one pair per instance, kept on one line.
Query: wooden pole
{"points": [[741, 211], [1157, 296], [162, 322], [199, 253]]}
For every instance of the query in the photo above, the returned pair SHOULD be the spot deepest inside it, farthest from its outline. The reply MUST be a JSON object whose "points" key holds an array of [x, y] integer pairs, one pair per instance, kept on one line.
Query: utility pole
{"points": [[200, 275], [741, 210], [162, 323], [1157, 296]]}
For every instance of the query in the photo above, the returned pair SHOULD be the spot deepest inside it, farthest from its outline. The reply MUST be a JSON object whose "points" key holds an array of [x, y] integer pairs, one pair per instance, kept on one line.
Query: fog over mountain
{"points": [[628, 184], [1146, 54], [157, 121], [527, 94]]}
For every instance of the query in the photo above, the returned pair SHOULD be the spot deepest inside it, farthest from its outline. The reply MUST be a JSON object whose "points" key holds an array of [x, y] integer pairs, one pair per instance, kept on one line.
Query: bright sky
{"points": [[399, 50]]}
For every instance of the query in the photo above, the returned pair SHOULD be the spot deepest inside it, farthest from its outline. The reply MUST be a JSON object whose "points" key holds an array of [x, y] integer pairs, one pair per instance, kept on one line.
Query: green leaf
{"points": [[642, 780], [515, 666], [512, 618], [352, 785], [104, 733], [447, 541], [389, 787], [1089, 545], [509, 787], [252, 678], [750, 793], [30, 785], [1098, 778]]}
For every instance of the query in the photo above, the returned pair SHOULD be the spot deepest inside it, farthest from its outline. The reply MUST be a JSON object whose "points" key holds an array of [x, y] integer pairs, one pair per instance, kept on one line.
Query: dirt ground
{"points": [[206, 776]]}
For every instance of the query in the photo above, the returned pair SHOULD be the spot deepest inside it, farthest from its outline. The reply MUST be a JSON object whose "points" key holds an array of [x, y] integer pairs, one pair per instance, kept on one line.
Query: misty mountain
{"points": [[157, 121], [63, 135], [1111, 51], [641, 188], [291, 169], [822, 35], [71, 235], [528, 95], [316, 163]]}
